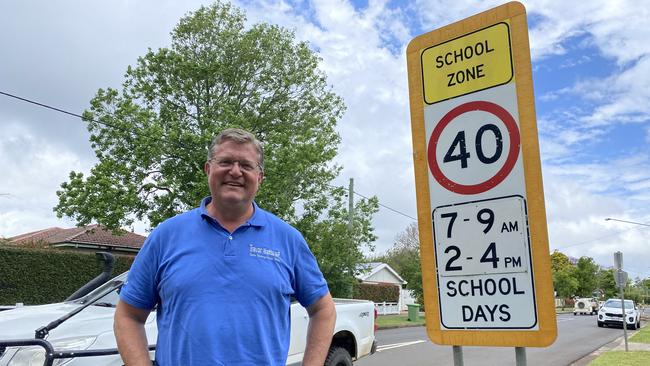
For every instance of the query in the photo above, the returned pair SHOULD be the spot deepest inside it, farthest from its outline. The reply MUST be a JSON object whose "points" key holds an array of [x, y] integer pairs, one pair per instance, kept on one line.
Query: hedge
{"points": [[47, 275], [377, 292]]}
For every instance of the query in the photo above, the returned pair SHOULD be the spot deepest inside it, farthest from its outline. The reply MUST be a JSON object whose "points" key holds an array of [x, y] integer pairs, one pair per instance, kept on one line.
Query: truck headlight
{"points": [[28, 356], [35, 355]]}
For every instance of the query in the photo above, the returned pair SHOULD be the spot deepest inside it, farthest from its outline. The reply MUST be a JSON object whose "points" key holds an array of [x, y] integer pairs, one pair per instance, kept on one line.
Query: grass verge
{"points": [[622, 358], [398, 321], [564, 310], [642, 336]]}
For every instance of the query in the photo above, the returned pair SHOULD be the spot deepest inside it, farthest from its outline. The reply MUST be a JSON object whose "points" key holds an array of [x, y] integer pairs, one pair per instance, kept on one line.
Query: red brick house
{"points": [[87, 238]]}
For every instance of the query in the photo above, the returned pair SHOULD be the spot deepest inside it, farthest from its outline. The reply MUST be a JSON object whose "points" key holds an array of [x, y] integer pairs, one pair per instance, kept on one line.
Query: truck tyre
{"points": [[338, 356]]}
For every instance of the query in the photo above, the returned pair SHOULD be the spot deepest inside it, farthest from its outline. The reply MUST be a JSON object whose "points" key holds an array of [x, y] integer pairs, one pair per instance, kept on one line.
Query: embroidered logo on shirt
{"points": [[264, 253]]}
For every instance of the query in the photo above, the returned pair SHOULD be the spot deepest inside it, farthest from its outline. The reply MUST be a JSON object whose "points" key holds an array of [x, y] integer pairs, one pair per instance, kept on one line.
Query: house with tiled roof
{"points": [[88, 238]]}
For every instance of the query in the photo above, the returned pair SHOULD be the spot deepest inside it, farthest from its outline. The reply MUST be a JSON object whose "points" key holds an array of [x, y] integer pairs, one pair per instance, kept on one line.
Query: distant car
{"points": [[585, 306], [610, 314]]}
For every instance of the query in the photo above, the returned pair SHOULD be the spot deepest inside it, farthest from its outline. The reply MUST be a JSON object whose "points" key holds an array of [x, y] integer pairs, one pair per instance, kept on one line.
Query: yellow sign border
{"points": [[546, 333]]}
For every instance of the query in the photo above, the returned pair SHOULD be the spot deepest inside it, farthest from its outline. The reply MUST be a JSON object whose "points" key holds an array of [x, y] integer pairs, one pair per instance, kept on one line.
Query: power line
{"points": [[629, 222], [130, 132], [599, 238], [57, 109], [389, 208], [380, 204], [595, 239]]}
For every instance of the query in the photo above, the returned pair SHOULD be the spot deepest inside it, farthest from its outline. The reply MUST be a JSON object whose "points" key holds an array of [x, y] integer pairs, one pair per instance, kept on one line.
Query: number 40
{"points": [[463, 155]]}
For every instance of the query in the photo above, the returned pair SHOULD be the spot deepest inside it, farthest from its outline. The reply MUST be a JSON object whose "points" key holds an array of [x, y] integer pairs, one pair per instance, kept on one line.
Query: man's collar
{"points": [[258, 218]]}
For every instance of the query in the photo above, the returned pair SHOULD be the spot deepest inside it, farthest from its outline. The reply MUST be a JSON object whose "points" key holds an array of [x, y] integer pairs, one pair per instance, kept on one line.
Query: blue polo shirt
{"points": [[223, 299]]}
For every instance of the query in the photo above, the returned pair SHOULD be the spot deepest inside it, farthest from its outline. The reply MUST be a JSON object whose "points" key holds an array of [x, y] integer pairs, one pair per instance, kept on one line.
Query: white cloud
{"points": [[33, 168]]}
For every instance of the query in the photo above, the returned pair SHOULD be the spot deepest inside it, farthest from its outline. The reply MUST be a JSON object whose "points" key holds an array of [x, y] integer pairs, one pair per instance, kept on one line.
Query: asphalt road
{"points": [[577, 337]]}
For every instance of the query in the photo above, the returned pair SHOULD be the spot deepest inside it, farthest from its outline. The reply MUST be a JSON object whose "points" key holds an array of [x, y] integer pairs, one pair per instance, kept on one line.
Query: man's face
{"points": [[234, 175]]}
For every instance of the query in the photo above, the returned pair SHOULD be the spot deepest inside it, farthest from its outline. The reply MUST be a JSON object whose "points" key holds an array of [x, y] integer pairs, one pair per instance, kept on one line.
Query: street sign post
{"points": [[620, 278], [618, 260], [482, 222]]}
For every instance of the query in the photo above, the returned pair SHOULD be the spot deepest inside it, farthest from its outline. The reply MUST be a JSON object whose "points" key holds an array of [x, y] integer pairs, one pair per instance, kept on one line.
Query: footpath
{"points": [[616, 345]]}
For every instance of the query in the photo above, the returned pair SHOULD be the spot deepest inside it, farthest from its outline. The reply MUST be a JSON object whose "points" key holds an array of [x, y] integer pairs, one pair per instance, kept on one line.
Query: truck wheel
{"points": [[600, 324], [338, 356]]}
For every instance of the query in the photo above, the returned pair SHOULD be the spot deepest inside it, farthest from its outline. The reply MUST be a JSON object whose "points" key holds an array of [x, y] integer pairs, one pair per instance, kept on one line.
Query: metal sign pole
{"points": [[623, 314], [520, 356], [458, 355], [620, 278]]}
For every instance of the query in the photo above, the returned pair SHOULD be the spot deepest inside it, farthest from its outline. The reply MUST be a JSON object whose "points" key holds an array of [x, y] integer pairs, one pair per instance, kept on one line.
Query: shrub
{"points": [[377, 292], [46, 275]]}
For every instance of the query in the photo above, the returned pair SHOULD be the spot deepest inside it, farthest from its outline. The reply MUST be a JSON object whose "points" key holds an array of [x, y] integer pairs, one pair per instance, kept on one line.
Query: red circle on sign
{"points": [[513, 152]]}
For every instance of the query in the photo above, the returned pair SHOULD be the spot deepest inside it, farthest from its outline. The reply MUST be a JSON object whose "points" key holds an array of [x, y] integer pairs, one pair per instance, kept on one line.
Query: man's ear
{"points": [[206, 168]]}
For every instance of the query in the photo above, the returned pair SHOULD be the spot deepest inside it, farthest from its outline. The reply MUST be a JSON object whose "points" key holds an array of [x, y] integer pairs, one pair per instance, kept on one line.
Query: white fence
{"points": [[407, 298], [387, 308]]}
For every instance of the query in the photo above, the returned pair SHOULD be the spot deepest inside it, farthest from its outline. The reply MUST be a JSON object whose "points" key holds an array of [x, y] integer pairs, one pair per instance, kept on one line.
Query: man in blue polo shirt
{"points": [[222, 276]]}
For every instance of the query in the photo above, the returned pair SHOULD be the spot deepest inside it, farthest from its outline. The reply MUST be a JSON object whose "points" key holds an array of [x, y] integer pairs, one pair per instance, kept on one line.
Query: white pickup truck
{"points": [[89, 333]]}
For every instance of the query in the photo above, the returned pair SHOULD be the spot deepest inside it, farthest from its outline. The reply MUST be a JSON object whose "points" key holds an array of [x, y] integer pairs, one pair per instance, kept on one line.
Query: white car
{"points": [[610, 314], [89, 335], [586, 306]]}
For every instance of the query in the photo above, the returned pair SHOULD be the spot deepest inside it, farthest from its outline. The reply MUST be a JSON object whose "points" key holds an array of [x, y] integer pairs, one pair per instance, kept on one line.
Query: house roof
{"points": [[88, 235], [368, 270]]}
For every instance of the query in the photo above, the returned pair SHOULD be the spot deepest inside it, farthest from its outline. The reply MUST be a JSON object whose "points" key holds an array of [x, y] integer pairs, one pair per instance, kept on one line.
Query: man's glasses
{"points": [[244, 165]]}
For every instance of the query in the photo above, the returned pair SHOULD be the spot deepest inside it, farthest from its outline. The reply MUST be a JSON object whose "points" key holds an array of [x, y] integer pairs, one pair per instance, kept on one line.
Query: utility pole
{"points": [[351, 205]]}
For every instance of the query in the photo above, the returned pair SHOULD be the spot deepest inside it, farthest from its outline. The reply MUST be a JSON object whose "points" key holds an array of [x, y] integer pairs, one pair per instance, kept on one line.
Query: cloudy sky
{"points": [[591, 71]]}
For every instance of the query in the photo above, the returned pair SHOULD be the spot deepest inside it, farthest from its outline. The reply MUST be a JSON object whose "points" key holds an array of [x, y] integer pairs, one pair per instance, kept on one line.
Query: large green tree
{"points": [[563, 272], [639, 291], [585, 273], [559, 261], [151, 137], [565, 282], [606, 283]]}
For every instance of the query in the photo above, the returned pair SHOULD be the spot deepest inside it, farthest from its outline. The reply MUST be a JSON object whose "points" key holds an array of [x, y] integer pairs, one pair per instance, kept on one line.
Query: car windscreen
{"points": [[109, 299], [617, 304]]}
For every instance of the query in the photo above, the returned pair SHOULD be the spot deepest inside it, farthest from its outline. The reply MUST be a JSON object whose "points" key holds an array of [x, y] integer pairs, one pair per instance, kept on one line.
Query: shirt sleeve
{"points": [[140, 288], [310, 285]]}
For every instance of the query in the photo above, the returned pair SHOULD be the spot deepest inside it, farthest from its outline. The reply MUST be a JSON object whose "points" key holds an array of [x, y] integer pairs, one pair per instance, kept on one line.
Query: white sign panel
{"points": [[483, 260], [480, 222]]}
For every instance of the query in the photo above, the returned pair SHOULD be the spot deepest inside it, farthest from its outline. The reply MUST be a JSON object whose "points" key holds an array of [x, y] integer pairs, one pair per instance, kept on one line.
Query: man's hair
{"points": [[238, 136]]}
